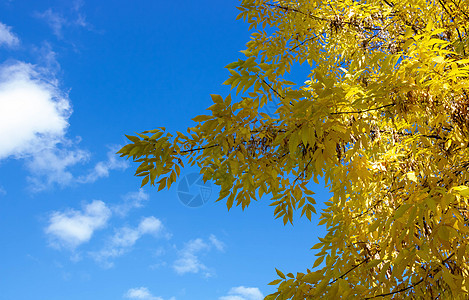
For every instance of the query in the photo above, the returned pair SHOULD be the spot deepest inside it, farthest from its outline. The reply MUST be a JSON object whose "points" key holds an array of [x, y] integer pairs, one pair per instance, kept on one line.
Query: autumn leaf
{"points": [[382, 117]]}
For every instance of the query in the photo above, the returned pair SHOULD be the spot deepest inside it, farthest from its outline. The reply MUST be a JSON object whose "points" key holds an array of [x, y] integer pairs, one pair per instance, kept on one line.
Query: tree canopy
{"points": [[382, 118]]}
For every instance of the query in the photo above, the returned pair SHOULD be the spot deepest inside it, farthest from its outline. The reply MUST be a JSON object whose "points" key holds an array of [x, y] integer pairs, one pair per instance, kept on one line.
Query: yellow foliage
{"points": [[383, 117]]}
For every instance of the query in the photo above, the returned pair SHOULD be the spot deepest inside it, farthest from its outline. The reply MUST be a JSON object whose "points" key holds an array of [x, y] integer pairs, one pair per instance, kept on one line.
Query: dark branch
{"points": [[390, 4], [362, 111], [313, 17], [398, 291], [410, 286], [353, 268], [198, 149], [307, 40], [306, 167], [275, 91]]}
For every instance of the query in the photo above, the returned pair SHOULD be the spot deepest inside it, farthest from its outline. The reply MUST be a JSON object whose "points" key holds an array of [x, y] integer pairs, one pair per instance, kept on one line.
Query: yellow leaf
{"points": [[318, 261], [438, 59], [280, 274], [461, 190], [411, 176]]}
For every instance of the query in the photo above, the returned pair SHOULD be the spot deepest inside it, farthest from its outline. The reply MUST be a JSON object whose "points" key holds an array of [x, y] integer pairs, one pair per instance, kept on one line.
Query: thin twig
{"points": [[460, 10], [343, 275], [307, 165], [286, 8], [362, 111], [302, 43], [398, 291], [389, 3], [197, 149], [275, 91]]}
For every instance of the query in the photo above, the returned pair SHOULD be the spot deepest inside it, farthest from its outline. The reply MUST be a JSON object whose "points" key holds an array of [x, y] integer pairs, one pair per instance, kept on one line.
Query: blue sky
{"points": [[75, 76]]}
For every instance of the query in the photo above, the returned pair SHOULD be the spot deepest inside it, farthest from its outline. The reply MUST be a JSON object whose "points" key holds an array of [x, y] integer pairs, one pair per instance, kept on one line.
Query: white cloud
{"points": [[131, 200], [7, 37], [125, 238], [55, 21], [141, 293], [232, 297], [243, 293], [188, 258], [188, 261], [150, 225], [34, 112], [80, 19], [102, 168], [47, 58], [52, 166], [217, 243], [34, 118], [34, 115], [72, 228]]}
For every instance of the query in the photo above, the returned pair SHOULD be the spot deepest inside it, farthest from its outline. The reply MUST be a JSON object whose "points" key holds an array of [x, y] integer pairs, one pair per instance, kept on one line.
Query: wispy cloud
{"points": [[101, 169], [80, 19], [71, 228], [243, 293], [141, 293], [217, 243], [55, 21], [130, 201], [46, 58], [188, 261], [3, 192], [58, 22], [52, 166], [7, 37], [125, 238], [188, 257]]}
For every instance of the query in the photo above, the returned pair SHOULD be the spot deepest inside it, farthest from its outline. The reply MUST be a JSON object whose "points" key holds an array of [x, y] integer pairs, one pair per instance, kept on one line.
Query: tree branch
{"points": [[307, 40], [353, 268], [409, 287], [398, 291], [197, 149], [362, 111], [275, 91], [307, 165], [309, 15], [390, 4]]}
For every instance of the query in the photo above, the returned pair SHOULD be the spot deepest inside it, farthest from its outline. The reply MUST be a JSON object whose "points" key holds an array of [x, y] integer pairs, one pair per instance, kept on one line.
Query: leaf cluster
{"points": [[382, 118]]}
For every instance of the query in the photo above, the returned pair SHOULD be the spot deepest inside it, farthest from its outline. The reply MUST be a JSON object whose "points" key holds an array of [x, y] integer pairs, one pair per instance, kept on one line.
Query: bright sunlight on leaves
{"points": [[382, 117]]}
